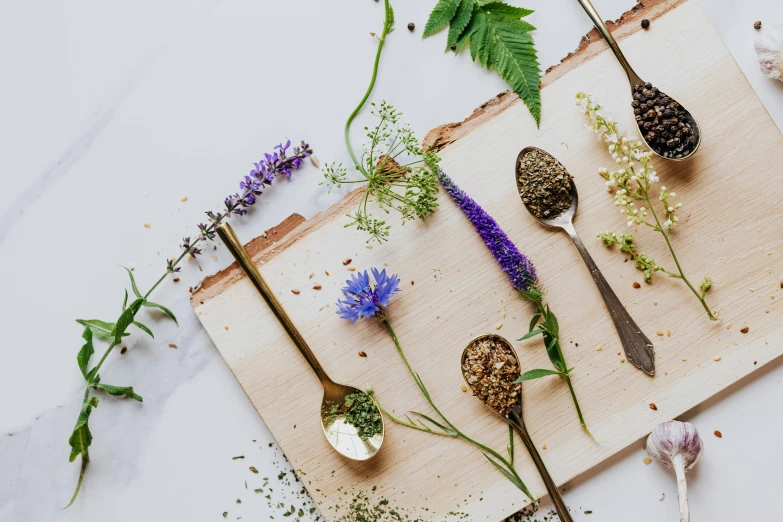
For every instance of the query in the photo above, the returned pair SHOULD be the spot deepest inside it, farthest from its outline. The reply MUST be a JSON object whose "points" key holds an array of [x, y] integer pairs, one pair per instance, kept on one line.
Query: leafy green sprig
{"points": [[398, 174], [498, 39]]}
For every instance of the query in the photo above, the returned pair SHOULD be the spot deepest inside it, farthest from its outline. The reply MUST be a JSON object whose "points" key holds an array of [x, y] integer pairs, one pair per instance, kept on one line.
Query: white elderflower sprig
{"points": [[632, 180]]}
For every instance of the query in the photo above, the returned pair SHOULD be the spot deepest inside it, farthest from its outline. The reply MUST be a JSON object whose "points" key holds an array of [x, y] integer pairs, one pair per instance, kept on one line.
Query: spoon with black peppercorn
{"points": [[668, 129], [549, 193], [343, 436], [490, 367]]}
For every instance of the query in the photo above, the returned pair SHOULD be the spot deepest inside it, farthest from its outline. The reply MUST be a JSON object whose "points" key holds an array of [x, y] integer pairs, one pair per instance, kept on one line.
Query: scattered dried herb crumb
{"points": [[253, 469]]}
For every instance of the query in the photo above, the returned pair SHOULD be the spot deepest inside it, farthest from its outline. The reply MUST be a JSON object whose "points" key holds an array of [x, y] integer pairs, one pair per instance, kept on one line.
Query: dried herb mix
{"points": [[491, 369], [359, 411], [544, 185], [664, 123]]}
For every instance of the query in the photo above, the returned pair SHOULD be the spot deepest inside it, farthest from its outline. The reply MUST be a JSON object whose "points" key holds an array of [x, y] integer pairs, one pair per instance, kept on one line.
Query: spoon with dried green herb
{"points": [[549, 194]]}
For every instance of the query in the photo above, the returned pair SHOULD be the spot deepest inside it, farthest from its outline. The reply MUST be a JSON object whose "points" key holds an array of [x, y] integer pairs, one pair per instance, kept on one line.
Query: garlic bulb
{"points": [[769, 48], [677, 445]]}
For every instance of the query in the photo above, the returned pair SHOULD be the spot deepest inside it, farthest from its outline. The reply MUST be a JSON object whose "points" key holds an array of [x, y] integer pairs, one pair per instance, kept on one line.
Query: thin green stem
{"points": [[506, 462], [386, 27], [665, 235]]}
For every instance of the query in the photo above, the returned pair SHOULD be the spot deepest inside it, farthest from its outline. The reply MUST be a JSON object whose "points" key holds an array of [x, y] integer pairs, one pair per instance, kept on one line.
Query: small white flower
{"points": [[611, 147], [670, 209], [672, 194], [625, 159], [667, 224]]}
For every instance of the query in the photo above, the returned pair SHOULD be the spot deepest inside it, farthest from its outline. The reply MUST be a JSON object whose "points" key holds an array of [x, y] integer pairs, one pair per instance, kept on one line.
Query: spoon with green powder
{"points": [[351, 420], [549, 193]]}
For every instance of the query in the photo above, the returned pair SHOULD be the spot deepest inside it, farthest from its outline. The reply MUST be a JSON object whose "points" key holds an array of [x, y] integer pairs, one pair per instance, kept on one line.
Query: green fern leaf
{"points": [[440, 16], [498, 39]]}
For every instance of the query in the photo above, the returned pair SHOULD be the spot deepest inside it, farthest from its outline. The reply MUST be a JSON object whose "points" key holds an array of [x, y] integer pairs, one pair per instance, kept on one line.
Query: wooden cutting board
{"points": [[453, 290]]}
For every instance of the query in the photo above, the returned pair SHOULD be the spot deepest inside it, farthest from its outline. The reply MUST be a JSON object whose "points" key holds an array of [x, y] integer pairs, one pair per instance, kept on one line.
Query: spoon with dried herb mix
{"points": [[350, 418], [668, 129], [549, 194], [491, 369]]}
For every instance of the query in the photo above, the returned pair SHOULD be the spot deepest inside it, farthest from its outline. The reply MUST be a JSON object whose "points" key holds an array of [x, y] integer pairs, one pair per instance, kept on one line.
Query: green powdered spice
{"points": [[359, 411], [544, 185]]}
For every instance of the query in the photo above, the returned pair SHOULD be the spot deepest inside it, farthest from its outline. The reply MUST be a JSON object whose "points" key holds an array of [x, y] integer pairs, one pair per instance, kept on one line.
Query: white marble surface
{"points": [[113, 111]]}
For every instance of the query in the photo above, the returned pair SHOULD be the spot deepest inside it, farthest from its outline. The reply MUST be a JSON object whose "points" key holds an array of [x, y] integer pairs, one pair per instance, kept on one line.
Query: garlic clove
{"points": [[769, 48]]}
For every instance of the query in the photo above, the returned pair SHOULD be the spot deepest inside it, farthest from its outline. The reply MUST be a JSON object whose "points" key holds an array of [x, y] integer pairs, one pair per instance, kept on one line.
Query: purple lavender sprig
{"points": [[522, 275], [263, 174], [517, 265]]}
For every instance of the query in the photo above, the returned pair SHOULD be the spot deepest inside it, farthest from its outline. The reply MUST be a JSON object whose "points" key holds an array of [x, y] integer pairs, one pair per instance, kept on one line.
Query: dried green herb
{"points": [[360, 411], [544, 184]]}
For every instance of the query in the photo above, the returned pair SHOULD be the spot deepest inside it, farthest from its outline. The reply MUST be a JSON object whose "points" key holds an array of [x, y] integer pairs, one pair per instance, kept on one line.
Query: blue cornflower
{"points": [[364, 300]]}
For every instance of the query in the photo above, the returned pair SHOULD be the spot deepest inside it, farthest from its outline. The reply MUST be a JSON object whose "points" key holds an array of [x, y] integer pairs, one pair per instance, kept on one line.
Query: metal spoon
{"points": [[517, 421], [342, 436], [634, 78], [638, 348]]}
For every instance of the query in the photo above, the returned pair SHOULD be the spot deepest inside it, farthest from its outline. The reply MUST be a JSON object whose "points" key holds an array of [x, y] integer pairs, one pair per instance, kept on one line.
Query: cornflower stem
{"points": [[506, 462], [682, 276], [387, 23]]}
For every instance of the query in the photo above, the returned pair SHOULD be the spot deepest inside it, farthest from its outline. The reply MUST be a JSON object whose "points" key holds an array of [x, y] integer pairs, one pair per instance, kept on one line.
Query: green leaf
{"points": [[168, 312], [133, 282], [83, 358], [125, 320], [102, 330], [125, 301], [499, 39], [81, 438], [553, 352], [535, 374], [440, 16], [119, 391], [460, 22], [514, 480], [531, 333], [533, 322], [144, 328]]}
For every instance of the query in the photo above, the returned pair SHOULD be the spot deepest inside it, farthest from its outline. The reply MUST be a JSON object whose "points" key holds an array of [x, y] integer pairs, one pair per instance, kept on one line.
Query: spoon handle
{"points": [[638, 348], [604, 31], [247, 265], [515, 419]]}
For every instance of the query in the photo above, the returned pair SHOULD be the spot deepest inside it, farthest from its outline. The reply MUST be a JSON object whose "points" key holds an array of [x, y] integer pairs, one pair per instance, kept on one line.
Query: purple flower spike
{"points": [[364, 300], [519, 268]]}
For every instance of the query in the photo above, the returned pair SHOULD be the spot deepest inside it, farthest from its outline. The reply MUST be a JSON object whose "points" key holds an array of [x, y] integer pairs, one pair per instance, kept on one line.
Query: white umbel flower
{"points": [[769, 48]]}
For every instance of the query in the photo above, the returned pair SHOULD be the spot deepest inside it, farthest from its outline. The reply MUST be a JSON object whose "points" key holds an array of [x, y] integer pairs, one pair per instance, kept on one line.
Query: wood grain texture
{"points": [[453, 291]]}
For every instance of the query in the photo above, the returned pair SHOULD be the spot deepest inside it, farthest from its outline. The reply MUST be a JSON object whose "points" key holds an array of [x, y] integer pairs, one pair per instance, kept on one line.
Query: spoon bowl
{"points": [[343, 437], [638, 348], [517, 421]]}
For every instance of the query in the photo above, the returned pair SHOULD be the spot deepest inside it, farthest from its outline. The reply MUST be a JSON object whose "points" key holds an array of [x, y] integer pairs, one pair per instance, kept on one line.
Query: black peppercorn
{"points": [[454, 47], [645, 24], [662, 122], [757, 25], [411, 26]]}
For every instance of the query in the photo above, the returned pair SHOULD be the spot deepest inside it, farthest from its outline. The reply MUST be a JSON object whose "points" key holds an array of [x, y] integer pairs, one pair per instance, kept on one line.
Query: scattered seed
{"points": [[124, 349], [757, 25], [600, 347], [226, 327], [653, 406], [312, 274], [744, 330], [645, 24], [184, 198], [659, 332], [147, 225], [499, 326], [636, 285], [668, 333], [647, 461], [254, 470], [362, 354], [295, 291], [622, 360], [347, 261], [316, 286], [172, 345], [716, 358], [684, 359], [190, 289], [351, 268], [543, 447], [326, 272], [411, 26], [314, 161], [454, 47], [464, 388], [176, 279], [718, 434]]}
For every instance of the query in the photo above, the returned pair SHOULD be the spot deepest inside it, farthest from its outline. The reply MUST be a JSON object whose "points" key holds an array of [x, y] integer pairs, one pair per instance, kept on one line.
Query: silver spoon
{"points": [[638, 348], [342, 436], [635, 80], [517, 421]]}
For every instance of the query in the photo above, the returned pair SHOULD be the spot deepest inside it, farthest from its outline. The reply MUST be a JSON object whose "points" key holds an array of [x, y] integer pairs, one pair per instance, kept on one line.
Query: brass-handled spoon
{"points": [[635, 80], [342, 436], [517, 421], [638, 348]]}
